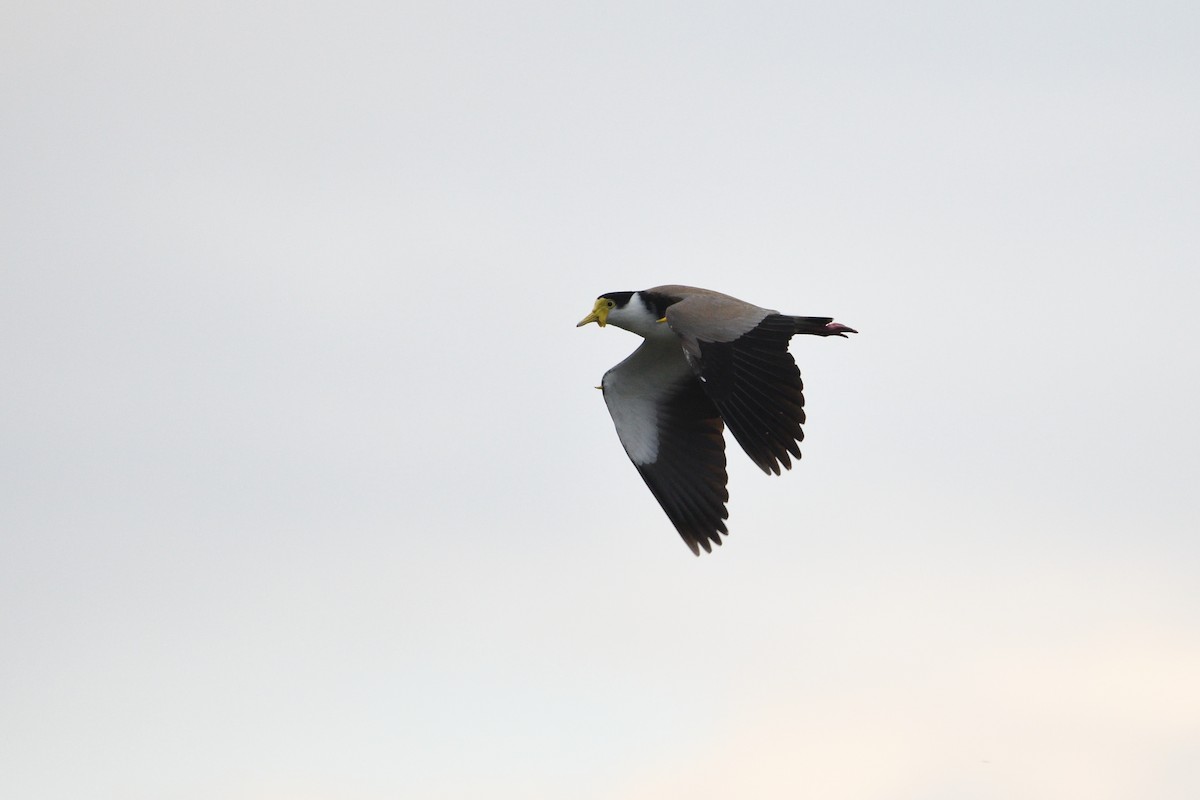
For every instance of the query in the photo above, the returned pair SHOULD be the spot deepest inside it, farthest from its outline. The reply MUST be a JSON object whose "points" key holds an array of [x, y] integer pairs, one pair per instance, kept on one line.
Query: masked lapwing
{"points": [[708, 361]]}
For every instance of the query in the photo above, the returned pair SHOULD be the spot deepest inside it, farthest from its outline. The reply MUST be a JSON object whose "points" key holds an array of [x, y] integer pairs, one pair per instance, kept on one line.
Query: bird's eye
{"points": [[611, 304]]}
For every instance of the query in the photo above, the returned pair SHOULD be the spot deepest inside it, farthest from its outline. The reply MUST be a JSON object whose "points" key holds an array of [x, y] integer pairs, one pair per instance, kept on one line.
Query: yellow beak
{"points": [[599, 314]]}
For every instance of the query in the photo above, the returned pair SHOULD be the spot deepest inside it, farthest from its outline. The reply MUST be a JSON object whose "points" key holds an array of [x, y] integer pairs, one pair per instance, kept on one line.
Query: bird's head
{"points": [[628, 310], [600, 312], [613, 303]]}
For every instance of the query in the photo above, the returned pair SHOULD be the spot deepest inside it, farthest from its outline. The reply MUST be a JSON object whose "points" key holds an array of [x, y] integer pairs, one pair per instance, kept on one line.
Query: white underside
{"points": [[635, 389]]}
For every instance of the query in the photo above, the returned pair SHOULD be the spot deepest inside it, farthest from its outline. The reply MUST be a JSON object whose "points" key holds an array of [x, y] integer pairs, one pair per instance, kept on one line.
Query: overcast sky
{"points": [[305, 491]]}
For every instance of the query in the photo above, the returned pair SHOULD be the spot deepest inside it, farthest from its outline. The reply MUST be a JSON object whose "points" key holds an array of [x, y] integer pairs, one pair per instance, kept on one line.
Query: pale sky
{"points": [[305, 492]]}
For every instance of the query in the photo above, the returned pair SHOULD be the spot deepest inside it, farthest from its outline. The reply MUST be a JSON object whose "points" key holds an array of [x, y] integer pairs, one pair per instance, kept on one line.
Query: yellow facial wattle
{"points": [[599, 314]]}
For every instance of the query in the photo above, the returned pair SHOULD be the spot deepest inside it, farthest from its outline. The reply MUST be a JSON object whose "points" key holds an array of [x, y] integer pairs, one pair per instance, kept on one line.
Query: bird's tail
{"points": [[819, 326]]}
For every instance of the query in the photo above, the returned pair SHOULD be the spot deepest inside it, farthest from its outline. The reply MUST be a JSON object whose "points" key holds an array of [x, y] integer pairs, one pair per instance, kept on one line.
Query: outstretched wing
{"points": [[740, 353], [672, 432]]}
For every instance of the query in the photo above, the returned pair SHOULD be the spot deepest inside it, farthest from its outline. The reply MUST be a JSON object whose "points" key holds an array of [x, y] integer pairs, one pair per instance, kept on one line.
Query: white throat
{"points": [[637, 317]]}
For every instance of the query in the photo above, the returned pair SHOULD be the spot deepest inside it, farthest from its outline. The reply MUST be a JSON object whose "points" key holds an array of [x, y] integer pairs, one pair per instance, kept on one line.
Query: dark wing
{"points": [[672, 433], [688, 477], [754, 383]]}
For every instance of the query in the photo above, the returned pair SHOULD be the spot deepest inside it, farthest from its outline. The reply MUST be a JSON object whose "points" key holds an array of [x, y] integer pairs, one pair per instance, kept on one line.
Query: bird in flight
{"points": [[708, 361]]}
